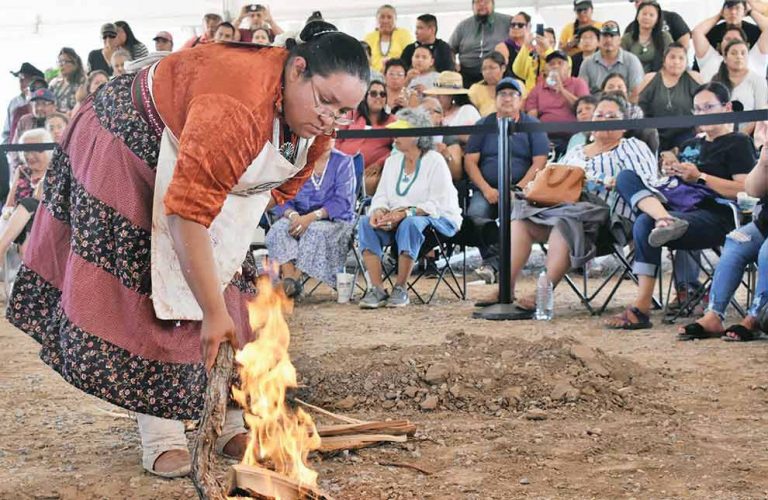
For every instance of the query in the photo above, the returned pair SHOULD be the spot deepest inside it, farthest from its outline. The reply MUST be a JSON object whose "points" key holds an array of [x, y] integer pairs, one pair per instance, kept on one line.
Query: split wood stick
{"points": [[392, 427], [342, 418], [211, 422], [406, 465], [353, 442]]}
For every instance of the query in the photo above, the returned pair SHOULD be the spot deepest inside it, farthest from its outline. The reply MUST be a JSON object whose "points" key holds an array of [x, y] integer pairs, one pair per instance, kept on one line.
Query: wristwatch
{"points": [[318, 213], [702, 179]]}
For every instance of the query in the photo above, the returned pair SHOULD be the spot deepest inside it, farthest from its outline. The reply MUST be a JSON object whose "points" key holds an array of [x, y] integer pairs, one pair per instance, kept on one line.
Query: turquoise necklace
{"points": [[402, 178]]}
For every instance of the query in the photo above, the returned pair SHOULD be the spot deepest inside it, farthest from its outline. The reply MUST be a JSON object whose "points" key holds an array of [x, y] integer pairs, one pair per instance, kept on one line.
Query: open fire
{"points": [[280, 437]]}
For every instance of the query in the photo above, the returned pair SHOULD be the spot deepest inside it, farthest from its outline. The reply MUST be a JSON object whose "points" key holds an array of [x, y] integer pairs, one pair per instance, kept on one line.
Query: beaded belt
{"points": [[142, 101]]}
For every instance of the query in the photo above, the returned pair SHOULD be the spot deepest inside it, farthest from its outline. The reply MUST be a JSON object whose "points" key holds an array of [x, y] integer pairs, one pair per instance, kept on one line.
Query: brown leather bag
{"points": [[555, 184]]}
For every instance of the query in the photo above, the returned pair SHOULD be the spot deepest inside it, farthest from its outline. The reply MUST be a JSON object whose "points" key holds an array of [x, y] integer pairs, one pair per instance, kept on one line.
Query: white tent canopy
{"points": [[35, 30]]}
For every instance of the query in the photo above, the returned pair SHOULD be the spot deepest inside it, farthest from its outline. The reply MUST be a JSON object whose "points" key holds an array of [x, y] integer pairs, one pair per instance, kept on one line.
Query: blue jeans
{"points": [[736, 256], [707, 226], [409, 234], [479, 208]]}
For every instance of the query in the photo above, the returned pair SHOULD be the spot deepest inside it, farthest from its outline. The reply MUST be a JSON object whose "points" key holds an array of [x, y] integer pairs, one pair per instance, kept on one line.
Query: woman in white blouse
{"points": [[570, 230], [415, 191]]}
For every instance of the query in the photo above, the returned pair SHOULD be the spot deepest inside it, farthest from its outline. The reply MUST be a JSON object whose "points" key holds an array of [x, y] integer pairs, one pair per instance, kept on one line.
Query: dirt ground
{"points": [[564, 409]]}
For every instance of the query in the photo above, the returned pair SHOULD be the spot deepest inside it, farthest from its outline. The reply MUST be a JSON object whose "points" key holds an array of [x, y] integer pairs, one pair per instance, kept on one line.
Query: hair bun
{"points": [[316, 29]]}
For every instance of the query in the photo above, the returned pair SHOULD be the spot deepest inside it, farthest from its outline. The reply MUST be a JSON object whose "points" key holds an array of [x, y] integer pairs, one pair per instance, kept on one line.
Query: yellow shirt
{"points": [[568, 34], [526, 68], [482, 99], [399, 40]]}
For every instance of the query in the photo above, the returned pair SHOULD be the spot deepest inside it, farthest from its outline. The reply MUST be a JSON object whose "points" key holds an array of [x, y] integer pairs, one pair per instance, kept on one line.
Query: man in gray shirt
{"points": [[611, 59], [475, 37]]}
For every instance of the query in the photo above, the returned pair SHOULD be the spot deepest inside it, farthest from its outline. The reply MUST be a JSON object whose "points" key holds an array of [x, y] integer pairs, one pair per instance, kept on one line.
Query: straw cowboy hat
{"points": [[448, 83]]}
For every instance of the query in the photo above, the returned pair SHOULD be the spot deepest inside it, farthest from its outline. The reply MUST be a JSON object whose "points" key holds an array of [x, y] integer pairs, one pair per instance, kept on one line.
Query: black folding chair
{"points": [[444, 249], [705, 265]]}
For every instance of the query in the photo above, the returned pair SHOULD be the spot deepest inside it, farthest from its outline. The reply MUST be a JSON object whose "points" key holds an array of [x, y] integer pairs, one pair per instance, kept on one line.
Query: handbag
{"points": [[683, 197], [555, 184]]}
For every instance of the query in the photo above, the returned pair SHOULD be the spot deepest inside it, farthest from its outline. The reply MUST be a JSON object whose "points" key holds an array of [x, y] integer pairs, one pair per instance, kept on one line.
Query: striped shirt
{"points": [[632, 154]]}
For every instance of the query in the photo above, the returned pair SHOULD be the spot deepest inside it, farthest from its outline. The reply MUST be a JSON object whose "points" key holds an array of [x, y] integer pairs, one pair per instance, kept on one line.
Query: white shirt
{"points": [[752, 92], [710, 63], [632, 154], [432, 190], [466, 115]]}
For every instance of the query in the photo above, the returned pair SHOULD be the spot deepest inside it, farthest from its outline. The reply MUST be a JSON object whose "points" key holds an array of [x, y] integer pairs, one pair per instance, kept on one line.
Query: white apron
{"points": [[230, 232]]}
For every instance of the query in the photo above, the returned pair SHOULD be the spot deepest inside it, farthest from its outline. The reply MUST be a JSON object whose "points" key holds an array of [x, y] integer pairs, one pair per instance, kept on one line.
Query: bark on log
{"points": [[211, 422]]}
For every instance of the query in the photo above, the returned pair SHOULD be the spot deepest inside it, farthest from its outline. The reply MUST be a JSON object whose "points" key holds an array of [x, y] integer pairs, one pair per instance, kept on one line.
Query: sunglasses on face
{"points": [[517, 25], [377, 93], [109, 35]]}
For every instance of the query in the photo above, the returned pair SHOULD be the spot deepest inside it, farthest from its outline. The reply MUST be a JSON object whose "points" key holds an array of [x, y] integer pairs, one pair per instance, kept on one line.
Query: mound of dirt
{"points": [[480, 374]]}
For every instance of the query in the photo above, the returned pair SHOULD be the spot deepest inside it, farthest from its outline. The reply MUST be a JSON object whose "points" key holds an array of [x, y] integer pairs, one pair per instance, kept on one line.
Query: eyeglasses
{"points": [[62, 62], [325, 113], [607, 116], [109, 35], [706, 108], [377, 93], [507, 93], [517, 25], [399, 74], [435, 111]]}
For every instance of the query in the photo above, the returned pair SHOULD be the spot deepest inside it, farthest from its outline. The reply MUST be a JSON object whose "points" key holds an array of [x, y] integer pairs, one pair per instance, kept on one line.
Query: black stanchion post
{"points": [[504, 310]]}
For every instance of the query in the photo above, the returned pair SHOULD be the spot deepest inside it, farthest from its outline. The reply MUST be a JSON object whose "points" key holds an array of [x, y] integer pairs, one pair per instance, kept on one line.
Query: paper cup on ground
{"points": [[344, 284]]}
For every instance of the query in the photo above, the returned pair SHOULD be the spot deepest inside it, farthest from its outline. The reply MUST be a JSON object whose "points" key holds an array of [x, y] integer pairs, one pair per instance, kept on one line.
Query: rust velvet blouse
{"points": [[220, 101]]}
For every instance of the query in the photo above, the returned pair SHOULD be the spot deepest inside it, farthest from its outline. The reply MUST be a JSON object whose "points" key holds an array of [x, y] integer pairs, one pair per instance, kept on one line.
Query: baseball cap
{"points": [[582, 4], [558, 54], [510, 83], [42, 95], [164, 35], [610, 28], [28, 70], [108, 29]]}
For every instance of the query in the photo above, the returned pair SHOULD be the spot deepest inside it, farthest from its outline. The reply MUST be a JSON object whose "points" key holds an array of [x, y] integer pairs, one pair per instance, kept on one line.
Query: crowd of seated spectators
{"points": [[492, 66]]}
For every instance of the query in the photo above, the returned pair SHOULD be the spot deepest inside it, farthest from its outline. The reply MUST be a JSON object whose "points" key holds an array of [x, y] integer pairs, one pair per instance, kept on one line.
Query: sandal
{"points": [[740, 333], [625, 322], [695, 331], [292, 287], [672, 230]]}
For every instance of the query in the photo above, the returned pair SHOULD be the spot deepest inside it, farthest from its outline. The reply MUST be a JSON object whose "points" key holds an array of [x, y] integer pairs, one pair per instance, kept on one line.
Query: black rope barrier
{"points": [[573, 127]]}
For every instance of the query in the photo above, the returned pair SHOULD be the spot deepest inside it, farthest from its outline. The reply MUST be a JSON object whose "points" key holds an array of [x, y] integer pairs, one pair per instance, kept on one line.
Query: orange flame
{"points": [[278, 434]]}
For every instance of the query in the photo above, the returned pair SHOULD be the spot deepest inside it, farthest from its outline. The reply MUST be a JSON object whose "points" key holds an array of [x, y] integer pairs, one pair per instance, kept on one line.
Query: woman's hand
{"points": [[687, 171], [300, 224], [391, 220], [375, 218], [217, 328]]}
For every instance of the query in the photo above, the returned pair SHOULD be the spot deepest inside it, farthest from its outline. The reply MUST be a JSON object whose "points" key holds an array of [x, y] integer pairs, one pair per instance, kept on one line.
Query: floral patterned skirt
{"points": [[84, 290]]}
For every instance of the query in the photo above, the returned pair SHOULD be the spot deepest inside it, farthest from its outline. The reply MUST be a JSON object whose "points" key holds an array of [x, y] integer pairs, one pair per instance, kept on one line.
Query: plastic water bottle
{"points": [[545, 298]]}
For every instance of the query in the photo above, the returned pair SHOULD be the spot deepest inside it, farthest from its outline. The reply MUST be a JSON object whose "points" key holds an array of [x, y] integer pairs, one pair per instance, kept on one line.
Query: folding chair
{"points": [[362, 201], [445, 249], [708, 268], [607, 245]]}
